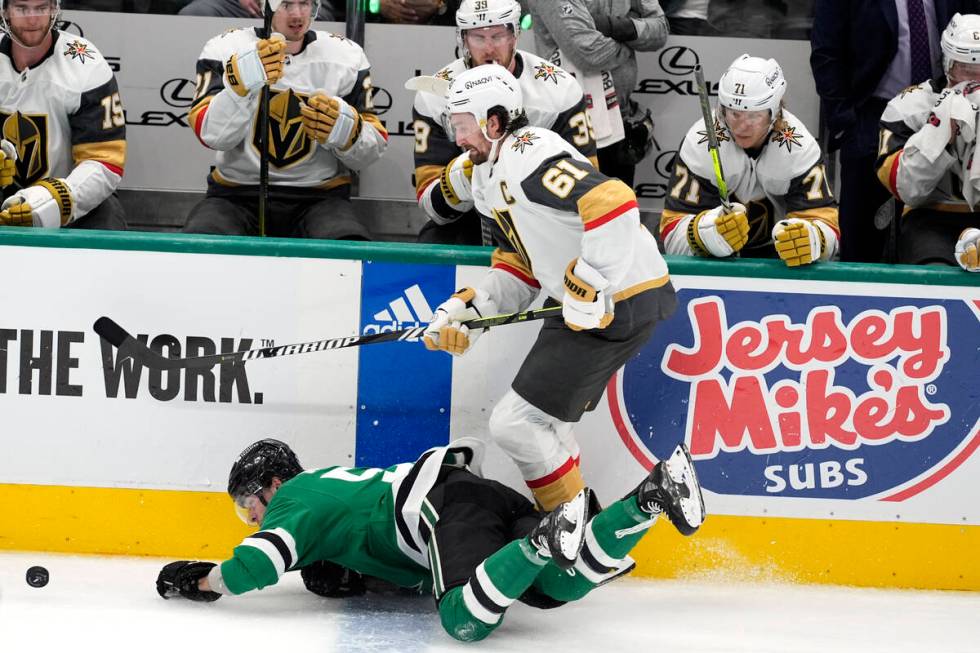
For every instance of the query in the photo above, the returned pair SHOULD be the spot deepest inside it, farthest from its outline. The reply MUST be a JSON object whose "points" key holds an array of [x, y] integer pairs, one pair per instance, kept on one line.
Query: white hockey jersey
{"points": [[551, 206], [65, 118], [228, 123], [785, 179], [553, 99], [903, 168]]}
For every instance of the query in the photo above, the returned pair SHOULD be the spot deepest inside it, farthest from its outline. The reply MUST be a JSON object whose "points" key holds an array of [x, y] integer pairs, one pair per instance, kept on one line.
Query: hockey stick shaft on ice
{"points": [[131, 347]]}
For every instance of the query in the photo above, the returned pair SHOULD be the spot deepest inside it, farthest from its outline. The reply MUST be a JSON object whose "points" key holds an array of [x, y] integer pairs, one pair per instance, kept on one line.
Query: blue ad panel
{"points": [[792, 395], [404, 391]]}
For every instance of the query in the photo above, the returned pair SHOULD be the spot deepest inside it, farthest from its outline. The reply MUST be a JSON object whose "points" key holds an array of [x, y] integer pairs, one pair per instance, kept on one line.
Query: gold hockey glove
{"points": [[798, 242], [48, 203], [249, 70], [330, 121], [717, 233]]}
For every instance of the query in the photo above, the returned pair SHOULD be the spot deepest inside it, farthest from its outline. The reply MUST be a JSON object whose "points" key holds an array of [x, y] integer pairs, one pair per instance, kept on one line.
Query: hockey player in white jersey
{"points": [[321, 125], [63, 145], [782, 204], [926, 155], [564, 229], [487, 32]]}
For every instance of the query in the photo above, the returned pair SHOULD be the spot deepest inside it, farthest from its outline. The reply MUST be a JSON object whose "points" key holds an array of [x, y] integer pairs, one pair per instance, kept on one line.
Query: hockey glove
{"points": [[455, 180], [48, 203], [446, 331], [586, 304], [8, 163], [717, 233], [330, 121], [798, 242], [967, 250], [328, 579], [249, 70], [180, 579]]}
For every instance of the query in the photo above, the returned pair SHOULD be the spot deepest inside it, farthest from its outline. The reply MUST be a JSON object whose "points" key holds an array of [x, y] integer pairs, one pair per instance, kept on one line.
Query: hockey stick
{"points": [[267, 11], [712, 136], [130, 347]]}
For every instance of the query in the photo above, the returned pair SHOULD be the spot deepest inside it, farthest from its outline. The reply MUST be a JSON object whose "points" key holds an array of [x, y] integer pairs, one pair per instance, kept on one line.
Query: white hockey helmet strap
{"points": [[474, 14], [752, 84], [478, 90], [5, 25], [960, 40]]}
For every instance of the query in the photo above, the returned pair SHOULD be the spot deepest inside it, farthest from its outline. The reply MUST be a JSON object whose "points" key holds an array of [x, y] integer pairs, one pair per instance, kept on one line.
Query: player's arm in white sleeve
{"points": [[219, 116], [911, 163], [810, 231], [690, 197]]}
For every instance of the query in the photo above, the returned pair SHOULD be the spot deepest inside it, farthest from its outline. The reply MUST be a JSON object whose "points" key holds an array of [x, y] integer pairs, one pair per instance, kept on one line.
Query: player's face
{"points": [[963, 72], [251, 508], [493, 44], [30, 20], [469, 137], [293, 19], [748, 128]]}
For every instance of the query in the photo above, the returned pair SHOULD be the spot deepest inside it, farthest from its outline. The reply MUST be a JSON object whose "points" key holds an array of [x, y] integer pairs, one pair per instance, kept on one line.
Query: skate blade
{"points": [[680, 466], [574, 512]]}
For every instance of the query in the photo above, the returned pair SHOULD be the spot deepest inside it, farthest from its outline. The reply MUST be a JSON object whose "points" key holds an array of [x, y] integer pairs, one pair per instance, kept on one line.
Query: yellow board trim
{"points": [[833, 552], [179, 524], [202, 525]]}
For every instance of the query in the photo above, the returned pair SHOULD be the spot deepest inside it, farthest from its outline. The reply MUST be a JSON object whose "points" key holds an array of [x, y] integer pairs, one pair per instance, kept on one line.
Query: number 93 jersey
{"points": [[65, 119]]}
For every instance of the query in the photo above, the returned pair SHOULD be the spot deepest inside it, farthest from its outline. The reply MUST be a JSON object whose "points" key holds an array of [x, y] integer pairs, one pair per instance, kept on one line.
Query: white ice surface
{"points": [[108, 604]]}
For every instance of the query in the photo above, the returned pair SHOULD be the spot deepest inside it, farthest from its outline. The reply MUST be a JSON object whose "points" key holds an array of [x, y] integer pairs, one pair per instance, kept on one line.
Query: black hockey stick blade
{"points": [[131, 347]]}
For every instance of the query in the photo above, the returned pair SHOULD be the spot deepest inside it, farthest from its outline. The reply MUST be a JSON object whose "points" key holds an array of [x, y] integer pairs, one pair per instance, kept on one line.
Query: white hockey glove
{"points": [[798, 242], [720, 234], [330, 121], [446, 331], [48, 204], [8, 163], [586, 305], [967, 250], [250, 69], [455, 180]]}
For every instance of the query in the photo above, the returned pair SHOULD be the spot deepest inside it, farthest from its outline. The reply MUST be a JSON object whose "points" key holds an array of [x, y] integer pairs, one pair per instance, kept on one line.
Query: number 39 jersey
{"points": [[551, 206], [786, 179], [65, 119]]}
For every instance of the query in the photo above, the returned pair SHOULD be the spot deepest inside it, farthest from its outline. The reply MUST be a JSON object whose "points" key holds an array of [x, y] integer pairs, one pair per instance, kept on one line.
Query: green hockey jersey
{"points": [[375, 521]]}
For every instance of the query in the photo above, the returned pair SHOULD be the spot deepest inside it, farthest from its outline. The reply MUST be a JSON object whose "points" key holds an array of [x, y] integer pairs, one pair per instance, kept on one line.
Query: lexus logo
{"points": [[664, 163], [178, 92], [678, 60]]}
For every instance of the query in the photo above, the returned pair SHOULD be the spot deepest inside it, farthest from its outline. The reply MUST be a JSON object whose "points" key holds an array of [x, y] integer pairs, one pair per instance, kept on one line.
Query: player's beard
{"points": [[31, 38], [478, 157]]}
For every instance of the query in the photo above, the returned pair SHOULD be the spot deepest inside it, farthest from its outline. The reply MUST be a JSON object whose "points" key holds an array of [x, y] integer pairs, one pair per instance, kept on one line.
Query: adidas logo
{"points": [[409, 310]]}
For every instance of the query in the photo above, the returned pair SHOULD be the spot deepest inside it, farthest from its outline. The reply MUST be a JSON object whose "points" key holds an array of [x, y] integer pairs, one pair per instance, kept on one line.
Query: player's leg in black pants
{"points": [[219, 215], [109, 215]]}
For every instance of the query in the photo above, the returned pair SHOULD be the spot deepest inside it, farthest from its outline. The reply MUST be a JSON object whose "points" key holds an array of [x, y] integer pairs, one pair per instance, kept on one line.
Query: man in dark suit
{"points": [[864, 53]]}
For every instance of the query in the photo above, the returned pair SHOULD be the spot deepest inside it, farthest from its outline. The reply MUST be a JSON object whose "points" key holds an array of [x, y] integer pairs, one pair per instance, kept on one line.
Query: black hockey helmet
{"points": [[258, 464]]}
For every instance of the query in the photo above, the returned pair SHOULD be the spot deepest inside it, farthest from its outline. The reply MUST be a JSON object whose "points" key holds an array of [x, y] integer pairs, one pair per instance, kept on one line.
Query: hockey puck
{"points": [[37, 576]]}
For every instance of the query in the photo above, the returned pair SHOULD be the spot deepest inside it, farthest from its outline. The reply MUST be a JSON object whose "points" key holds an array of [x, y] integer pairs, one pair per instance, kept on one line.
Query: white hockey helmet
{"points": [[478, 90], [752, 84], [275, 4], [961, 40], [5, 26], [474, 14]]}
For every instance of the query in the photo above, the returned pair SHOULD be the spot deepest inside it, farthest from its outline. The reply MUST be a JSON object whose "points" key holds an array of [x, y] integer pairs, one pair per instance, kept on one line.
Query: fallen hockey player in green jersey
{"points": [[434, 524]]}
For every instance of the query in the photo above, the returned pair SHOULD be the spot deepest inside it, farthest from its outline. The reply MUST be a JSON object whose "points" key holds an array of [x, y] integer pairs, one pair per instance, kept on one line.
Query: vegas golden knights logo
{"points": [[287, 141], [29, 134]]}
